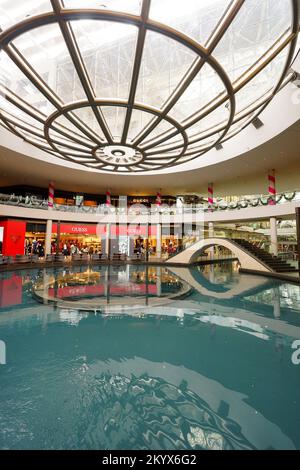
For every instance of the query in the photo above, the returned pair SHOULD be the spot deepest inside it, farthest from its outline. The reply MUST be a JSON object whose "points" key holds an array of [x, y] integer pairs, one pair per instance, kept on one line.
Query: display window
{"points": [[75, 238], [170, 244]]}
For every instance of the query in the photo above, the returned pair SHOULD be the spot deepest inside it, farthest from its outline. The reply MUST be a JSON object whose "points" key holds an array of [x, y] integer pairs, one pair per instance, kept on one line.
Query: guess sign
{"points": [[90, 229], [99, 231], [79, 229]]}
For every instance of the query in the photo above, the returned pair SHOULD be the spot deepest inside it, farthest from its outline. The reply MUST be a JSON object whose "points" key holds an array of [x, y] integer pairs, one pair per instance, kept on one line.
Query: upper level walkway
{"points": [[172, 215]]}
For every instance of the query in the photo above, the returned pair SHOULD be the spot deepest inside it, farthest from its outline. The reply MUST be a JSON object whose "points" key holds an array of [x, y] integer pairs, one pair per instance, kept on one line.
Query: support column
{"points": [[58, 237], [147, 242], [48, 237], [211, 235], [158, 240], [273, 236], [106, 282], [107, 240], [147, 285], [158, 282], [298, 235], [49, 221]]}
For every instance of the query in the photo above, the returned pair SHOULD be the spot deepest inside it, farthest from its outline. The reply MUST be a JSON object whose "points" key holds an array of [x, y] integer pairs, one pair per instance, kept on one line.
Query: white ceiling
{"points": [[245, 174]]}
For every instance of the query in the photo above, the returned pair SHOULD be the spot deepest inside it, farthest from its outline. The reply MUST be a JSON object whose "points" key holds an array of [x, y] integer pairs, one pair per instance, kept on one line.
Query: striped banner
{"points": [[210, 198], [158, 199], [51, 195], [108, 200], [272, 188]]}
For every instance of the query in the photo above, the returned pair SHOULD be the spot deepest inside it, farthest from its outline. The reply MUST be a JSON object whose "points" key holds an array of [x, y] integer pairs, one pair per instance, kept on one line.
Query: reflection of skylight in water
{"points": [[244, 326], [71, 316]]}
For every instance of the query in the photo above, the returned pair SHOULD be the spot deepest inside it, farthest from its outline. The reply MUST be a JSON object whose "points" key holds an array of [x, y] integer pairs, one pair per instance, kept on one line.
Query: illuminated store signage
{"points": [[79, 229], [90, 229], [115, 230], [140, 201]]}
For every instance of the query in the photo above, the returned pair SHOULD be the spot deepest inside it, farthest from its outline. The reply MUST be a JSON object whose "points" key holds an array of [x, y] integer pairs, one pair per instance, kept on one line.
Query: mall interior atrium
{"points": [[149, 181]]}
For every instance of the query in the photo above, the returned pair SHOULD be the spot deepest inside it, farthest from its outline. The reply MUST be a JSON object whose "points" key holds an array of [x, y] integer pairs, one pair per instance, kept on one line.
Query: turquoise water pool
{"points": [[148, 358]]}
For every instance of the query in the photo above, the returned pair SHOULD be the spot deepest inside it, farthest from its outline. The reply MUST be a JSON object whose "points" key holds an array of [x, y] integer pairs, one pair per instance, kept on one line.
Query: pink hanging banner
{"points": [[108, 200], [158, 199], [272, 188], [51, 195], [210, 197]]}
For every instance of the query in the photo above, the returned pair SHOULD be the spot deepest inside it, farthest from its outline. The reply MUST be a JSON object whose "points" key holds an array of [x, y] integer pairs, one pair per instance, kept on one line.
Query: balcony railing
{"points": [[34, 202]]}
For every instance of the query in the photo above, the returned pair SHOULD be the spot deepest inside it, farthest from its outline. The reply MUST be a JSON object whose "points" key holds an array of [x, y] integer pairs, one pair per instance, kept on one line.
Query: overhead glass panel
{"points": [[164, 64], [174, 141], [217, 118], [202, 144], [263, 83], [206, 86], [127, 6], [160, 129], [16, 114], [12, 11], [108, 52], [195, 18], [258, 25], [31, 137], [126, 90], [14, 80], [139, 120], [114, 116], [87, 117], [48, 55], [61, 139]]}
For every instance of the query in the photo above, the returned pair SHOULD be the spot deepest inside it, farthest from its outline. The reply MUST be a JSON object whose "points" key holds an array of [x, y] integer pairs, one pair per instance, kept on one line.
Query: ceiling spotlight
{"points": [[296, 78], [219, 147], [257, 123]]}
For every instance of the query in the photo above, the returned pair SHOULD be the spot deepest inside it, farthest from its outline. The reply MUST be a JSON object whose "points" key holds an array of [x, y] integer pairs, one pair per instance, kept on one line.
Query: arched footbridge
{"points": [[247, 260]]}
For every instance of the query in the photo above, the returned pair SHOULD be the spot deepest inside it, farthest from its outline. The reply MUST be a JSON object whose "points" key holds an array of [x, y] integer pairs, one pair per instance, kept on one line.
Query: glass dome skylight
{"points": [[132, 85]]}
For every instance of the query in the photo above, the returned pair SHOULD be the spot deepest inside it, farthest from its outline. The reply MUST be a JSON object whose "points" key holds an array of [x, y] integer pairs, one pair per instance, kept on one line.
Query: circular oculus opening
{"points": [[118, 153]]}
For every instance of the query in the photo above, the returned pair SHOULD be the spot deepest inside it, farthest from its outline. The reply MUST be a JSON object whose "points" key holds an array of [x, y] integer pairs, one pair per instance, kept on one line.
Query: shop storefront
{"points": [[22, 237], [13, 237], [85, 237], [133, 239], [89, 238], [171, 240], [35, 237]]}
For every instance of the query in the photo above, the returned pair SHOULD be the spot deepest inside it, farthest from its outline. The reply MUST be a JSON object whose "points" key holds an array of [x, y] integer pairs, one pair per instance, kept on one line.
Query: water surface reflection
{"points": [[148, 358]]}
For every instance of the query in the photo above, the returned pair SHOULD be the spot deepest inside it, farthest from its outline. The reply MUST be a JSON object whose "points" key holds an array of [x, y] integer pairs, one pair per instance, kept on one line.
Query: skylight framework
{"points": [[136, 86]]}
